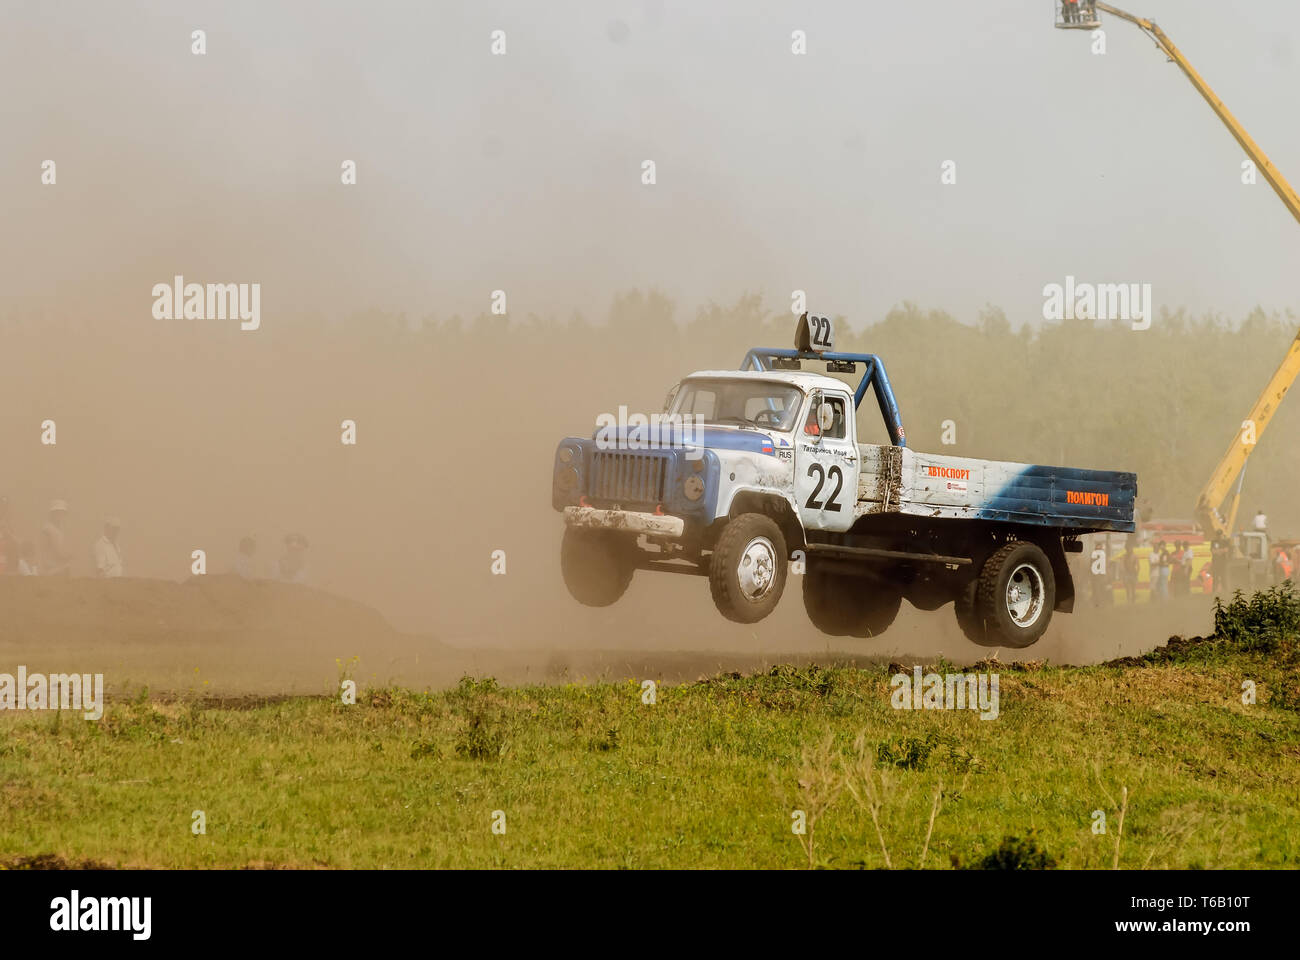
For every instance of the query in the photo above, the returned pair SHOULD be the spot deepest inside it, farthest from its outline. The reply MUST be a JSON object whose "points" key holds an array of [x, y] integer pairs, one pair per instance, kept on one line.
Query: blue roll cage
{"points": [[873, 376]]}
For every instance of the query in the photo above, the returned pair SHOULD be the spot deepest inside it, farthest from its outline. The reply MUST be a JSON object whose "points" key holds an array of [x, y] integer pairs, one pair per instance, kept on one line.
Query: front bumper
{"points": [[655, 524]]}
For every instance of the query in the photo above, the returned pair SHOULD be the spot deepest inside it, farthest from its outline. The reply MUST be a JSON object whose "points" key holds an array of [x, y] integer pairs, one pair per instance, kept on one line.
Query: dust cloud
{"points": [[197, 437], [374, 301]]}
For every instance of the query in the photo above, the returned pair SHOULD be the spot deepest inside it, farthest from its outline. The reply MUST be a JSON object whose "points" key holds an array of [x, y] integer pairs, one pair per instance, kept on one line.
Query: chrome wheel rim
{"points": [[1025, 595], [756, 571]]}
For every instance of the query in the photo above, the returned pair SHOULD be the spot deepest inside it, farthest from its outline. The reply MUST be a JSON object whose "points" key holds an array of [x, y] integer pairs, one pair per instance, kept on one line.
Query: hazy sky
{"points": [[522, 172]]}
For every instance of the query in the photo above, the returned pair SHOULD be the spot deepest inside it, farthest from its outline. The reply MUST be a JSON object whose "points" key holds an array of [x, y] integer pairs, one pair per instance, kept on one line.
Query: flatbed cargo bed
{"points": [[903, 481]]}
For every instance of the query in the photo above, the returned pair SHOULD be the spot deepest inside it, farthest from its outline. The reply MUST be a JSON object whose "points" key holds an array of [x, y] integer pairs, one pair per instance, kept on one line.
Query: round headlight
{"points": [[566, 455], [693, 487], [567, 479]]}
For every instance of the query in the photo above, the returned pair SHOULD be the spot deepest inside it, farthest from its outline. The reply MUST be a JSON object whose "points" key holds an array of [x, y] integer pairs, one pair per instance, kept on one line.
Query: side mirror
{"points": [[825, 417]]}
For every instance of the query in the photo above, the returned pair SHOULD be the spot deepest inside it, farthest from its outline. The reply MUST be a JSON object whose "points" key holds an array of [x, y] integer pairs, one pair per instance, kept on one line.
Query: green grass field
{"points": [[707, 776]]}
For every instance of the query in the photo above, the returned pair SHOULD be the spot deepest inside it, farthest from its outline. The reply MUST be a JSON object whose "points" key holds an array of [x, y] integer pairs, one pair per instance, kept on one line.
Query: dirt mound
{"points": [[52, 861], [218, 609], [1177, 649], [212, 635]]}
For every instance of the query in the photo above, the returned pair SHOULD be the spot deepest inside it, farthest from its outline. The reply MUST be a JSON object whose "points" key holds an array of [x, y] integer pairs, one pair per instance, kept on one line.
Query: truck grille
{"points": [[628, 477]]}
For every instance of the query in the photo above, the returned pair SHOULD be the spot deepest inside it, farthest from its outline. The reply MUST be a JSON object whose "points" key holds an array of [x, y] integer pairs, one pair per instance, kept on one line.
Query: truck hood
{"points": [[719, 437]]}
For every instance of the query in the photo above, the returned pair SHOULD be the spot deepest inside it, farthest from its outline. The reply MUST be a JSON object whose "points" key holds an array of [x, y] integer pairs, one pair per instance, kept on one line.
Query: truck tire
{"points": [[748, 567], [968, 616], [825, 600], [842, 605], [877, 605], [1016, 595], [928, 597], [597, 565]]}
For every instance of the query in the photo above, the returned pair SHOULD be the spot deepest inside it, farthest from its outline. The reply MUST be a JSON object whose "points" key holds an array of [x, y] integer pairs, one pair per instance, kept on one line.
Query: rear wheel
{"points": [[929, 595], [597, 565], [844, 605], [1015, 595], [748, 567], [968, 616], [878, 605], [822, 600]]}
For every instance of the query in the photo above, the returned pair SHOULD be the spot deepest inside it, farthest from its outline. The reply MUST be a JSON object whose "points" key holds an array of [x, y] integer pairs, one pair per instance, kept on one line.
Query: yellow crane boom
{"points": [[1216, 508]]}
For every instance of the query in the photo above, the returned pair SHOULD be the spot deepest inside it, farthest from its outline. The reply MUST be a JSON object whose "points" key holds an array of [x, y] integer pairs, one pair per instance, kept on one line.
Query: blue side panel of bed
{"points": [[1066, 497]]}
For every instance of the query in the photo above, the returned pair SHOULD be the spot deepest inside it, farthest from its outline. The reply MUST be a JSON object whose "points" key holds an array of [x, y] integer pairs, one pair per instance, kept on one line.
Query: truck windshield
{"points": [[758, 403]]}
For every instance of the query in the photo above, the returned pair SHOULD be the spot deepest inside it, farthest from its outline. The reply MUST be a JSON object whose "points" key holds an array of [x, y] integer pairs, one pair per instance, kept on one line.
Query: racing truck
{"points": [[771, 478]]}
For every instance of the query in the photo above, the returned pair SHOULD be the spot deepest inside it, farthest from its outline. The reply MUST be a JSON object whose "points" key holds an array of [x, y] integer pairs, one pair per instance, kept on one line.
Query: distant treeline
{"points": [[468, 411]]}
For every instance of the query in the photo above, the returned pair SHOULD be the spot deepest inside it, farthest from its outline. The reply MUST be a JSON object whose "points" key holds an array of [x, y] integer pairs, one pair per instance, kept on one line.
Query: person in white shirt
{"points": [[1261, 521], [27, 566], [107, 554], [55, 559]]}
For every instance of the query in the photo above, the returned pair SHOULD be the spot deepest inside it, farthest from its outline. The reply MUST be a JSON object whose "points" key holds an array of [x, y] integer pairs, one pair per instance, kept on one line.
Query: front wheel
{"points": [[597, 565], [748, 567], [1016, 595]]}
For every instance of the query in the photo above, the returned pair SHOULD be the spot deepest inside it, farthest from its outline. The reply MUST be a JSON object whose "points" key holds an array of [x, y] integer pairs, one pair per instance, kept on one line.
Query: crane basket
{"points": [[1076, 15]]}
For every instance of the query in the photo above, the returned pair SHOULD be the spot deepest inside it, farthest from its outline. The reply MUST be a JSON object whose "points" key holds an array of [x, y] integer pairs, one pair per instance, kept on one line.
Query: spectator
{"points": [[27, 566], [1129, 573], [55, 560], [1176, 579], [107, 553], [246, 559], [1070, 11], [1206, 581], [1283, 564], [1261, 521], [292, 566], [1219, 567], [1183, 560], [1160, 570]]}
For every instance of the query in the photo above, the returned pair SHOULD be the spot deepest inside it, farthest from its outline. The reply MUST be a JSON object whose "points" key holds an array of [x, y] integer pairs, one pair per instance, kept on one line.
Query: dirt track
{"points": [[221, 635]]}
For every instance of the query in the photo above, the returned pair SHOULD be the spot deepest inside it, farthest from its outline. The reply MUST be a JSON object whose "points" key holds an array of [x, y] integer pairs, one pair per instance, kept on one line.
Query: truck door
{"points": [[826, 463]]}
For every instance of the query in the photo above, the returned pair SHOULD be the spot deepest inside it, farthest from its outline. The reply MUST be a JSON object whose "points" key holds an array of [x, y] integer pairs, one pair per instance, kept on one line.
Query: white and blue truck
{"points": [[769, 473]]}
